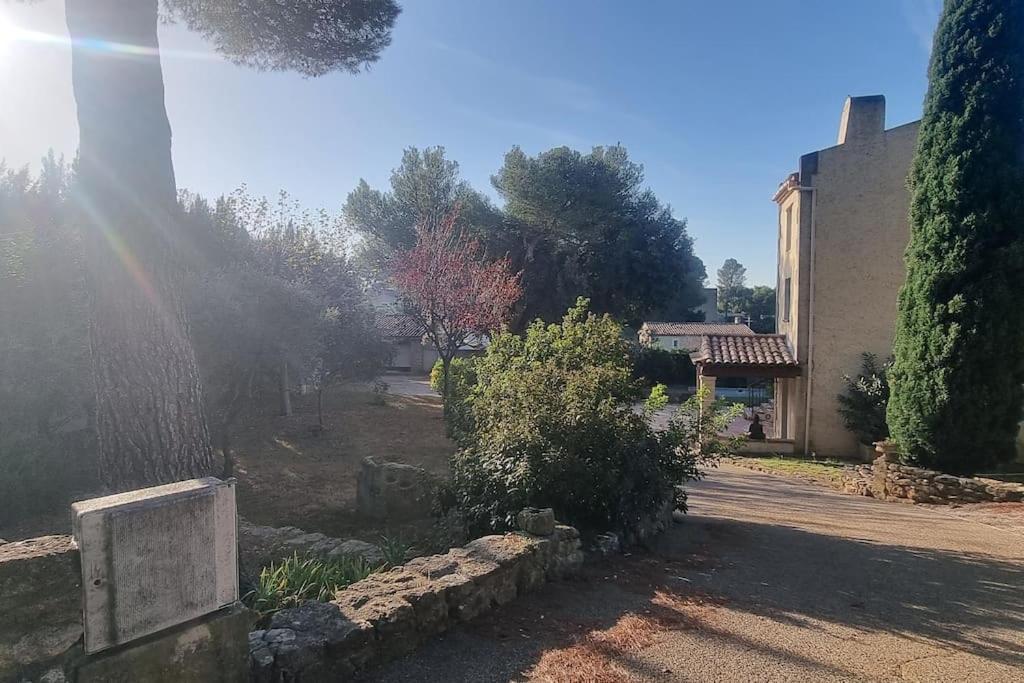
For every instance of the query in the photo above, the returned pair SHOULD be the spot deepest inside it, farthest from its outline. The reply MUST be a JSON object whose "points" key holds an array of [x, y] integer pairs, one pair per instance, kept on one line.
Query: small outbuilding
{"points": [[764, 356]]}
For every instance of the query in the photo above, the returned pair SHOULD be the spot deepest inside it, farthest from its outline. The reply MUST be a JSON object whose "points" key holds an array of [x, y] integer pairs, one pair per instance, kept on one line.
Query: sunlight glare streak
{"points": [[11, 33], [8, 34]]}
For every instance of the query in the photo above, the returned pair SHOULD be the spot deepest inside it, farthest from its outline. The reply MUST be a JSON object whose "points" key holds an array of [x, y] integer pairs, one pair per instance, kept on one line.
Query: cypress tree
{"points": [[959, 351]]}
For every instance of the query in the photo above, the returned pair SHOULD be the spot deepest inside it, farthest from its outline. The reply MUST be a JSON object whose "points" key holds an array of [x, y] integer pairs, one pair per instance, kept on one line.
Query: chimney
{"points": [[863, 118]]}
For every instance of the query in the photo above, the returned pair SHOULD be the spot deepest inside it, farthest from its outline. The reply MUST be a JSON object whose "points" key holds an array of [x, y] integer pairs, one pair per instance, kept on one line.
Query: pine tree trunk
{"points": [[149, 409], [286, 393], [446, 367], [320, 407]]}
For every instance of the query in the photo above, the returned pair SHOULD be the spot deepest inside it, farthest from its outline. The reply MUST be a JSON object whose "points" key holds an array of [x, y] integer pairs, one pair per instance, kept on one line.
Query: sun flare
{"points": [[8, 34]]}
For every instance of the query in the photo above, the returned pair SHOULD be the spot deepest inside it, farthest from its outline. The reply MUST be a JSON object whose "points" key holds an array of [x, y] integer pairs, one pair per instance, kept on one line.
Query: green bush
{"points": [[298, 579], [862, 405], [458, 412], [554, 425], [658, 399], [395, 549]]}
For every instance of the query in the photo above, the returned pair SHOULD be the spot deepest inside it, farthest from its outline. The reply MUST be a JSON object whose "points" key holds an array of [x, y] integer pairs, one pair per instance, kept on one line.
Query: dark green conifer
{"points": [[959, 351]]}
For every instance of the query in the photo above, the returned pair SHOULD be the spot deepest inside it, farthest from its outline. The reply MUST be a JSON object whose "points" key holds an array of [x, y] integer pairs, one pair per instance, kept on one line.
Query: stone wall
{"points": [[259, 546], [41, 628], [886, 478], [389, 613], [40, 608]]}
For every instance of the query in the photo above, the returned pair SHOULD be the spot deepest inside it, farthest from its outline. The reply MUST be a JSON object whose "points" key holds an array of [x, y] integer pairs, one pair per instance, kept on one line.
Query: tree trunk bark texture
{"points": [[149, 408], [286, 391], [446, 367]]}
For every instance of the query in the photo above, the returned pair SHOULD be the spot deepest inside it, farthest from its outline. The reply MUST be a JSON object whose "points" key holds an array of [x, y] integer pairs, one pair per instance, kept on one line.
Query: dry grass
{"points": [[593, 656], [577, 664], [290, 476], [822, 471]]}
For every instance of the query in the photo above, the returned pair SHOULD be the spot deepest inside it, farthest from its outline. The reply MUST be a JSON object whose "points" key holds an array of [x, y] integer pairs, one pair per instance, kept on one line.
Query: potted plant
{"points": [[862, 405]]}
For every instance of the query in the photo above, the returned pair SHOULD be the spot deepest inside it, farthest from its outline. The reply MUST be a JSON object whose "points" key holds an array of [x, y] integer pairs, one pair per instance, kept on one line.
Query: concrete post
{"points": [[706, 382], [155, 558]]}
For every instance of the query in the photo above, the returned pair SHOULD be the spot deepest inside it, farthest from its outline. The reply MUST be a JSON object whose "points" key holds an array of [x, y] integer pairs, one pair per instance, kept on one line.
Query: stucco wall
{"points": [[857, 213], [861, 232], [412, 355], [682, 342], [793, 264]]}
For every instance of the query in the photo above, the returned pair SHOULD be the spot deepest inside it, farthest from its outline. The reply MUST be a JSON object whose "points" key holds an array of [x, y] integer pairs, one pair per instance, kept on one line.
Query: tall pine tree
{"points": [[959, 352]]}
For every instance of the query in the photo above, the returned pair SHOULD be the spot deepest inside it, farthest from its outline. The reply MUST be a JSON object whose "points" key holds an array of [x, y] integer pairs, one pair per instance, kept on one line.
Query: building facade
{"points": [[842, 231], [402, 333]]}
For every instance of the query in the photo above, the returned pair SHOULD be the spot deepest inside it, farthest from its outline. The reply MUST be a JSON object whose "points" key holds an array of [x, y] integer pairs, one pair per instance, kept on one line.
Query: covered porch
{"points": [[764, 357]]}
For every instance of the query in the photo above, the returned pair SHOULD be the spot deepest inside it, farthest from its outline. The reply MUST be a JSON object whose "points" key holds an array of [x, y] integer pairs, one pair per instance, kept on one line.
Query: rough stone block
{"points": [[536, 521], [40, 604], [392, 490], [211, 648], [155, 558]]}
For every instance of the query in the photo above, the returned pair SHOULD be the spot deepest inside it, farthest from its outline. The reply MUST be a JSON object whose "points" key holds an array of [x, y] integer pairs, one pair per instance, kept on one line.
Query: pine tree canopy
{"points": [[311, 37]]}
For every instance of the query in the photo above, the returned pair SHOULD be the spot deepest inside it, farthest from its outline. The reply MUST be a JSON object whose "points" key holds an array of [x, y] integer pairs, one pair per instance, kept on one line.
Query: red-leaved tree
{"points": [[454, 291]]}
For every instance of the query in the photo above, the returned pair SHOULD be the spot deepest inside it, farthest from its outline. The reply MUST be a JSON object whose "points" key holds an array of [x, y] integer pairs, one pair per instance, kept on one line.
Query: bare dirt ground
{"points": [[768, 579], [289, 476]]}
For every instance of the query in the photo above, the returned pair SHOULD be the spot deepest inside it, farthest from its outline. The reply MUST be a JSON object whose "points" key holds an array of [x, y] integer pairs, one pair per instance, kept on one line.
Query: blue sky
{"points": [[716, 100]]}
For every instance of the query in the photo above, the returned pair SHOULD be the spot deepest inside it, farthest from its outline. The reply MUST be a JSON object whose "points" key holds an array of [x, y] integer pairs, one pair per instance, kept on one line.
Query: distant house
{"points": [[673, 336], [402, 332]]}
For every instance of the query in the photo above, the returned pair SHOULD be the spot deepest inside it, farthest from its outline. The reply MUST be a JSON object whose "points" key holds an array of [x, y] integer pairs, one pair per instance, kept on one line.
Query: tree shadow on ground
{"points": [[965, 601]]}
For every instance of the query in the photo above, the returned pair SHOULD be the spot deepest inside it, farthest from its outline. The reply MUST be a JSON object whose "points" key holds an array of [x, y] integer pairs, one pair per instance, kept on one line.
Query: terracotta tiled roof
{"points": [[663, 329], [398, 325], [733, 349]]}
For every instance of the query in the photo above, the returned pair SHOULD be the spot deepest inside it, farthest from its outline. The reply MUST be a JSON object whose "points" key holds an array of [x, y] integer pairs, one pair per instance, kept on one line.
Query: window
{"points": [[789, 226], [675, 343], [787, 302]]}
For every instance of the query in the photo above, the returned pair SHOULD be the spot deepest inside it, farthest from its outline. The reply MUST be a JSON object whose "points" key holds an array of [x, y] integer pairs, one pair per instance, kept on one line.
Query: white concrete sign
{"points": [[155, 558]]}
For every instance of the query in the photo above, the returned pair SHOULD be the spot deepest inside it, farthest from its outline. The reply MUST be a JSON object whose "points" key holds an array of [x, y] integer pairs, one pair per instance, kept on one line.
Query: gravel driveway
{"points": [[768, 579], [408, 385]]}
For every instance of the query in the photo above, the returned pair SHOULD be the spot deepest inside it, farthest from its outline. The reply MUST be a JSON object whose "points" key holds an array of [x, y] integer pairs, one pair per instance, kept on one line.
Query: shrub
{"points": [[658, 398], [554, 425], [395, 549], [458, 411], [863, 404], [298, 579]]}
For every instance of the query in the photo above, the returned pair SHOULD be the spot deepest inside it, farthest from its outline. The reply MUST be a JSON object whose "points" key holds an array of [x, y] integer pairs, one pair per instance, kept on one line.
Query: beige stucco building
{"points": [[842, 230]]}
